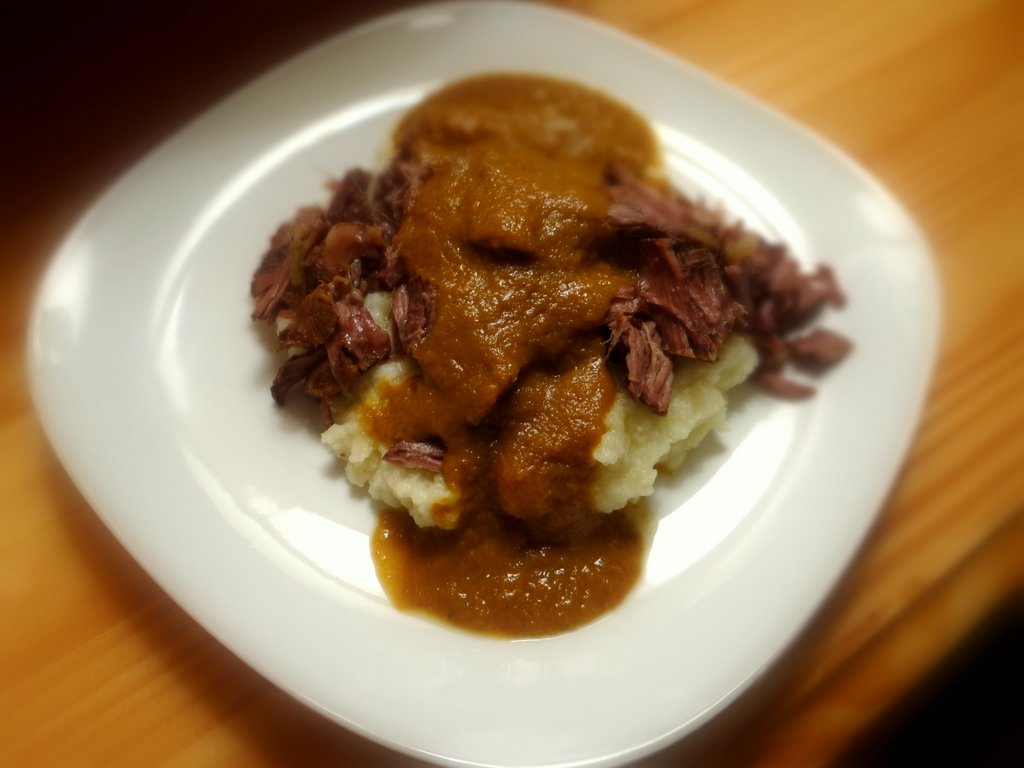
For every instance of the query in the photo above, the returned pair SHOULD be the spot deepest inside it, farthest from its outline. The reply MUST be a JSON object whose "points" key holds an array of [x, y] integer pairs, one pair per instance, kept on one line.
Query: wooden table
{"points": [[99, 667]]}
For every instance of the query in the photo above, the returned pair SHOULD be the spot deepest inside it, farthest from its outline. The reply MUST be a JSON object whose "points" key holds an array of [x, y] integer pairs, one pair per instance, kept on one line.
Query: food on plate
{"points": [[511, 328]]}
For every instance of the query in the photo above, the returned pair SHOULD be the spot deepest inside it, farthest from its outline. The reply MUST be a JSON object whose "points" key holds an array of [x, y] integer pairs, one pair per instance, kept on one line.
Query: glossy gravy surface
{"points": [[513, 378]]}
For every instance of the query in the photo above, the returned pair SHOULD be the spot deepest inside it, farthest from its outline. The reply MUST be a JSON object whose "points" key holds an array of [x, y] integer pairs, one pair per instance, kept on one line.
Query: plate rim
{"points": [[93, 495]]}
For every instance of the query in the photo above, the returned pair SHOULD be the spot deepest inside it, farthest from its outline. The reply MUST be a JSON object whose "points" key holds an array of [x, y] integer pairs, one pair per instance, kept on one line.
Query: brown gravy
{"points": [[491, 576], [514, 383]]}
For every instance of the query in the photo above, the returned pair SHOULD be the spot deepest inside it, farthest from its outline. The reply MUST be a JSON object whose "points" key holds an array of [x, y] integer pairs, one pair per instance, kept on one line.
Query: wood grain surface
{"points": [[99, 667]]}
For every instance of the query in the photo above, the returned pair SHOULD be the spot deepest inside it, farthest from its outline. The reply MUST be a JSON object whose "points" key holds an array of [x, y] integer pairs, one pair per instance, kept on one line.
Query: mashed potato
{"points": [[392, 484], [637, 442]]}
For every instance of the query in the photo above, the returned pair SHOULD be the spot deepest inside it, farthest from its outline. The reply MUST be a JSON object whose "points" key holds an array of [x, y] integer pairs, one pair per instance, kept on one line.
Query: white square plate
{"points": [[152, 385]]}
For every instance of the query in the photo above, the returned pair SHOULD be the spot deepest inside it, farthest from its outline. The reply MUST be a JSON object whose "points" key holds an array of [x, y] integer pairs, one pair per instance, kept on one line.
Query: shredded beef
{"points": [[269, 284], [820, 346], [649, 371], [623, 309], [313, 321], [681, 306], [295, 369], [398, 185], [352, 252], [358, 336], [393, 273], [698, 279], [683, 288], [636, 206], [339, 340], [779, 300], [351, 200], [413, 308], [416, 455], [380, 202], [641, 210], [782, 386], [316, 272], [323, 384], [276, 272], [336, 337]]}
